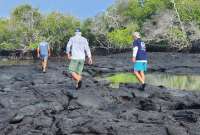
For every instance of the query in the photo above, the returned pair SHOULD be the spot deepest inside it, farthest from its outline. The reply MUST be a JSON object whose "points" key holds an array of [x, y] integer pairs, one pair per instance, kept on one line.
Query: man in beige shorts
{"points": [[77, 49]]}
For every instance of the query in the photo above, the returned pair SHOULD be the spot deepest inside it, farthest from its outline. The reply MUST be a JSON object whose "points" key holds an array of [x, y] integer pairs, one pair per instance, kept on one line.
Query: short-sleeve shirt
{"points": [[43, 46], [141, 53]]}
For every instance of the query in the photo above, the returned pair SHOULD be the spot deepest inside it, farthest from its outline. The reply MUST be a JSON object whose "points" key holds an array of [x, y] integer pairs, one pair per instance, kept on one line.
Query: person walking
{"points": [[77, 49], [139, 59], [43, 52]]}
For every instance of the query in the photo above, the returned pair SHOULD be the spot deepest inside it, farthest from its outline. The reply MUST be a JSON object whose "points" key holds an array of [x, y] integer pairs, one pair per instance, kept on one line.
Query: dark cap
{"points": [[78, 30]]}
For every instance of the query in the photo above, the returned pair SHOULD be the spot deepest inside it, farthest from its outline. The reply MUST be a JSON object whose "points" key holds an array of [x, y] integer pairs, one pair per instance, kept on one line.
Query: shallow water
{"points": [[9, 62], [6, 62], [173, 81], [182, 82]]}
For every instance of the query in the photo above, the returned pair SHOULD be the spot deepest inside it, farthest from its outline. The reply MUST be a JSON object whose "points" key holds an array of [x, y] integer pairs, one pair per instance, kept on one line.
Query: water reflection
{"points": [[6, 62], [187, 82], [10, 62], [183, 82]]}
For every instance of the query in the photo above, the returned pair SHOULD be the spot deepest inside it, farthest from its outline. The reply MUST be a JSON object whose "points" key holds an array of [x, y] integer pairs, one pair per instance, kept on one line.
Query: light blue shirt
{"points": [[43, 47]]}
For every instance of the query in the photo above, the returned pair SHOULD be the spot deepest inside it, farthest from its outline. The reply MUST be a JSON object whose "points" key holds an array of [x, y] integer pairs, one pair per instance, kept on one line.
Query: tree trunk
{"points": [[181, 23]]}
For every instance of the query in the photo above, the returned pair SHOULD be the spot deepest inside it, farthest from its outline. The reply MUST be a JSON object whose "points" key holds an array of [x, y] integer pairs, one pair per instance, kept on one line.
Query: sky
{"points": [[79, 8]]}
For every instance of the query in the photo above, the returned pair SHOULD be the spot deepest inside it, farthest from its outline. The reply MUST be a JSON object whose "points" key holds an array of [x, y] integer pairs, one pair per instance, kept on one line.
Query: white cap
{"points": [[136, 34]]}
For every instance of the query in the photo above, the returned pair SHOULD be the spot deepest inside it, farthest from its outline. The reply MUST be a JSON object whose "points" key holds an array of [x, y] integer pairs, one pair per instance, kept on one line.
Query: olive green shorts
{"points": [[76, 66]]}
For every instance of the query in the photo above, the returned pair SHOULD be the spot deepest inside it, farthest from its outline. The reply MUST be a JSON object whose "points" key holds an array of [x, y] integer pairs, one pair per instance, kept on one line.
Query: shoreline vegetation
{"points": [[165, 25]]}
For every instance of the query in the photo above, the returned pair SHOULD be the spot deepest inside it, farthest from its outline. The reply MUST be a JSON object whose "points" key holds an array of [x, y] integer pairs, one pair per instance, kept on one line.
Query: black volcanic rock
{"points": [[33, 103]]}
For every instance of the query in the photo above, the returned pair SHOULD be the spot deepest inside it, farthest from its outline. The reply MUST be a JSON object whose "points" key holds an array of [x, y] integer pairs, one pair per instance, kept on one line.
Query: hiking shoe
{"points": [[70, 93], [43, 70], [79, 84], [142, 88], [67, 74]]}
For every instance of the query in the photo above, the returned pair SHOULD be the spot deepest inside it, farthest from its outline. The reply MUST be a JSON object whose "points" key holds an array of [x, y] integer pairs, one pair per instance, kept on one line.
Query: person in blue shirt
{"points": [[43, 52], [139, 59]]}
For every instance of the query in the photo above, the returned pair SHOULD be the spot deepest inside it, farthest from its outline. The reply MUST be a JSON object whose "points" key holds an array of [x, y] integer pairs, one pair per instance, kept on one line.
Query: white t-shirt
{"points": [[78, 46]]}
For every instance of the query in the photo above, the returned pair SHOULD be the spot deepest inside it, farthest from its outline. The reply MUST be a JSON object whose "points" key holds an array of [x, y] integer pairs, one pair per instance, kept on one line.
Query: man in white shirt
{"points": [[77, 49]]}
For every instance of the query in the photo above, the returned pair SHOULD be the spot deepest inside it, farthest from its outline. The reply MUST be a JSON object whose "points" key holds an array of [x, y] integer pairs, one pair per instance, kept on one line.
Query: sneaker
{"points": [[70, 93], [64, 72], [67, 74], [44, 71], [142, 88], [79, 84], [76, 85]]}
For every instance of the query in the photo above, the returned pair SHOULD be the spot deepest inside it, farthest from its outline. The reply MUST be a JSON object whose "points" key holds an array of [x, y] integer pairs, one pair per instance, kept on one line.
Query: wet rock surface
{"points": [[34, 103]]}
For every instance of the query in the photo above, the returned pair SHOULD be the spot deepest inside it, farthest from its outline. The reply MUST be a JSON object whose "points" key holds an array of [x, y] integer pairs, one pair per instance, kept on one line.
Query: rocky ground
{"points": [[34, 103]]}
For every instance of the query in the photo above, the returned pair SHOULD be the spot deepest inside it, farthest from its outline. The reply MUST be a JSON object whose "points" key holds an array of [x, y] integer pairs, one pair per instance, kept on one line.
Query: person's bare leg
{"points": [[76, 77], [44, 65], [142, 76], [137, 74]]}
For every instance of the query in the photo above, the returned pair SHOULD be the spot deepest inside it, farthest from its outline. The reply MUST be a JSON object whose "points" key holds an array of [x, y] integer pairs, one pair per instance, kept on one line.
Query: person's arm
{"points": [[38, 51], [68, 47], [49, 51], [88, 52], [135, 50]]}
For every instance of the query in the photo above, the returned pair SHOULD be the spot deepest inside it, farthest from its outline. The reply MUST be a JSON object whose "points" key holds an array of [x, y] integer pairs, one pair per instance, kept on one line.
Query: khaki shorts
{"points": [[76, 66]]}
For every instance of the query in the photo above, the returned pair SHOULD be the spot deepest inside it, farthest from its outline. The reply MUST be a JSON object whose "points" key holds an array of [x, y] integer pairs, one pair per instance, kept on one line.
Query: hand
{"points": [[68, 56], [133, 59], [49, 54], [90, 61], [38, 56]]}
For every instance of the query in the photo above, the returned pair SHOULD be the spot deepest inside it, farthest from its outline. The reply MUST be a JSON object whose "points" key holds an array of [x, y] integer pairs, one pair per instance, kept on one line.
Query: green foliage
{"points": [[116, 20], [86, 31], [120, 38], [33, 45], [122, 78], [8, 35], [58, 28], [3, 29], [124, 17], [23, 26], [177, 38], [177, 33], [8, 46], [26, 26], [138, 13], [189, 10], [132, 27], [112, 28], [26, 16]]}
